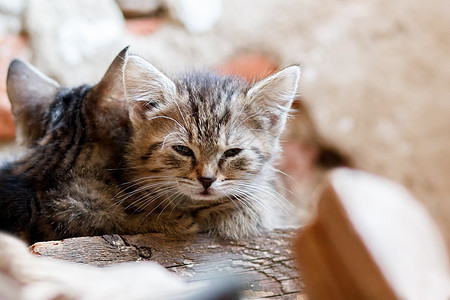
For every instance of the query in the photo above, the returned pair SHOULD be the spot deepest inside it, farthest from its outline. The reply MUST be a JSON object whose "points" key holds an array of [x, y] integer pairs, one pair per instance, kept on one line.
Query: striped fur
{"points": [[140, 152], [57, 162], [67, 182], [183, 132]]}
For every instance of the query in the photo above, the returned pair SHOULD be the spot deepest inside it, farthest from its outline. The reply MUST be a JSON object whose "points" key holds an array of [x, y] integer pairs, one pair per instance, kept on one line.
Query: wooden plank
{"points": [[96, 250], [264, 264], [371, 239], [336, 263]]}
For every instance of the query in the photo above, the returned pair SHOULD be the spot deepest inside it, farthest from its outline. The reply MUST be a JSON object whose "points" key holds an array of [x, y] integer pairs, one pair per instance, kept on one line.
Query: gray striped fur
{"points": [[107, 159], [209, 114]]}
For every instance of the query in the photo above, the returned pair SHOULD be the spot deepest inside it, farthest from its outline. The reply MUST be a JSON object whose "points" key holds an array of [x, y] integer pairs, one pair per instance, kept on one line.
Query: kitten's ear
{"points": [[274, 96], [106, 103], [110, 88], [30, 93], [146, 88]]}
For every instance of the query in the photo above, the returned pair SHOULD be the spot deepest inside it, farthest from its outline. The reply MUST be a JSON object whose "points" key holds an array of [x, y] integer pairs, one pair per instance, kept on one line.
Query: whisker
{"points": [[149, 200], [165, 138], [246, 197], [148, 185], [169, 118], [271, 191], [126, 195], [180, 199], [233, 202], [155, 192], [181, 113], [283, 173], [292, 193], [177, 195], [281, 201], [149, 213], [247, 203]]}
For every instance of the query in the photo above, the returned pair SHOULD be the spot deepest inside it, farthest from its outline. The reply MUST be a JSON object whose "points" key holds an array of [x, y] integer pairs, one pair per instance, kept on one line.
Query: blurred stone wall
{"points": [[376, 77]]}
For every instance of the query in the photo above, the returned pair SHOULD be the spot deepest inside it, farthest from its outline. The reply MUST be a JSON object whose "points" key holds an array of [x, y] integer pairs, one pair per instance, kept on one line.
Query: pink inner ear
{"points": [[139, 108], [274, 119]]}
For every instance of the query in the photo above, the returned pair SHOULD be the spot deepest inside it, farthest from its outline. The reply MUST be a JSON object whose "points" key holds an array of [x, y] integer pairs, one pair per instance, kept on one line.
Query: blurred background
{"points": [[375, 85]]}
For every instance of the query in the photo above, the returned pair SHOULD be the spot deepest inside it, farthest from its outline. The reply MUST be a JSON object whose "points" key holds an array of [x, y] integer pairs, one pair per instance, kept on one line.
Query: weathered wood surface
{"points": [[264, 264]]}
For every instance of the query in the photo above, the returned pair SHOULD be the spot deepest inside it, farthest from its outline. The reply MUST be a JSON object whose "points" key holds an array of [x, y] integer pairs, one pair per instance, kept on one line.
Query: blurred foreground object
{"points": [[27, 276], [264, 264], [372, 240]]}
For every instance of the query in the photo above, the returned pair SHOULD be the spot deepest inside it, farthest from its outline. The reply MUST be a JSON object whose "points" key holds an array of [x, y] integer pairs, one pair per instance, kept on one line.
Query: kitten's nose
{"points": [[206, 181]]}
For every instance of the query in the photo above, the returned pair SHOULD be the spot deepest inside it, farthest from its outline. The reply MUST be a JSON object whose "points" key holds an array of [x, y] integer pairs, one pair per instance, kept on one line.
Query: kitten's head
{"points": [[202, 135], [39, 104]]}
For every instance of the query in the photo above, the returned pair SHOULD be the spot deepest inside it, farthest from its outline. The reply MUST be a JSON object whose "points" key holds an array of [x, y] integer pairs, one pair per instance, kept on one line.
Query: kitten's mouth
{"points": [[205, 193]]}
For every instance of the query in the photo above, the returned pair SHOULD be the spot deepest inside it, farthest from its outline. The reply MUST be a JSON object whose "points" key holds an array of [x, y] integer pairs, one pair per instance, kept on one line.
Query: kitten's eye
{"points": [[232, 152], [183, 150]]}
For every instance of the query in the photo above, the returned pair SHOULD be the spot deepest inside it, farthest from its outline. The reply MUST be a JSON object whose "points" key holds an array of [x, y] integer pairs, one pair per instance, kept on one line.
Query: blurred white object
{"points": [[77, 28], [197, 16], [12, 7], [10, 21], [9, 24], [79, 38], [69, 33], [27, 276], [398, 232]]}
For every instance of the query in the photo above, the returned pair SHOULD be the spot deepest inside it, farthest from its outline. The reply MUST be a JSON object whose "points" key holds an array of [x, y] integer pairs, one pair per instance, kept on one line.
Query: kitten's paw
{"points": [[173, 223], [234, 226], [185, 224]]}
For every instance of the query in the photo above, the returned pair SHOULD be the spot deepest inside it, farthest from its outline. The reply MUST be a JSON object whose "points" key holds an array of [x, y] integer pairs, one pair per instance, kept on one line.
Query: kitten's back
{"points": [[74, 140]]}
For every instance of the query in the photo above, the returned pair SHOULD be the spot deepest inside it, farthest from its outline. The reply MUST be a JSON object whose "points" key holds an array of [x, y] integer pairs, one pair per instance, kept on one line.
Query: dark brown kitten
{"points": [[73, 136], [66, 182]]}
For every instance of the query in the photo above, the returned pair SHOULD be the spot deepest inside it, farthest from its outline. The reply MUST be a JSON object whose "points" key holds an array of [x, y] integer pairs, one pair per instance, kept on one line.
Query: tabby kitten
{"points": [[60, 186], [205, 145], [66, 182], [198, 150]]}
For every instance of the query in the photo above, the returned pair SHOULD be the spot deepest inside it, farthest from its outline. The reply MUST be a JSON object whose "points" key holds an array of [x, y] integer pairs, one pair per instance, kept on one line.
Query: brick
{"points": [[143, 26], [139, 8], [7, 129], [250, 66], [11, 46]]}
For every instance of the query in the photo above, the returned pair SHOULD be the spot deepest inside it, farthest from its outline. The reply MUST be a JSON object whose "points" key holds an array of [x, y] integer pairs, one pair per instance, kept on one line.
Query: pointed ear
{"points": [[146, 88], [110, 88], [106, 103], [274, 96], [30, 93]]}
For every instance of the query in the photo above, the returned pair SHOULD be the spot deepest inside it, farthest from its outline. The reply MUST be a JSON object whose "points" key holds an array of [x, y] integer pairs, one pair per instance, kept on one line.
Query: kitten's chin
{"points": [[205, 197], [198, 194]]}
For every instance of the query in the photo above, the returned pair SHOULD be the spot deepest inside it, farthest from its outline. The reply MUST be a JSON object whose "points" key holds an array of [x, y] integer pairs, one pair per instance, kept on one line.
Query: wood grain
{"points": [[264, 265]]}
